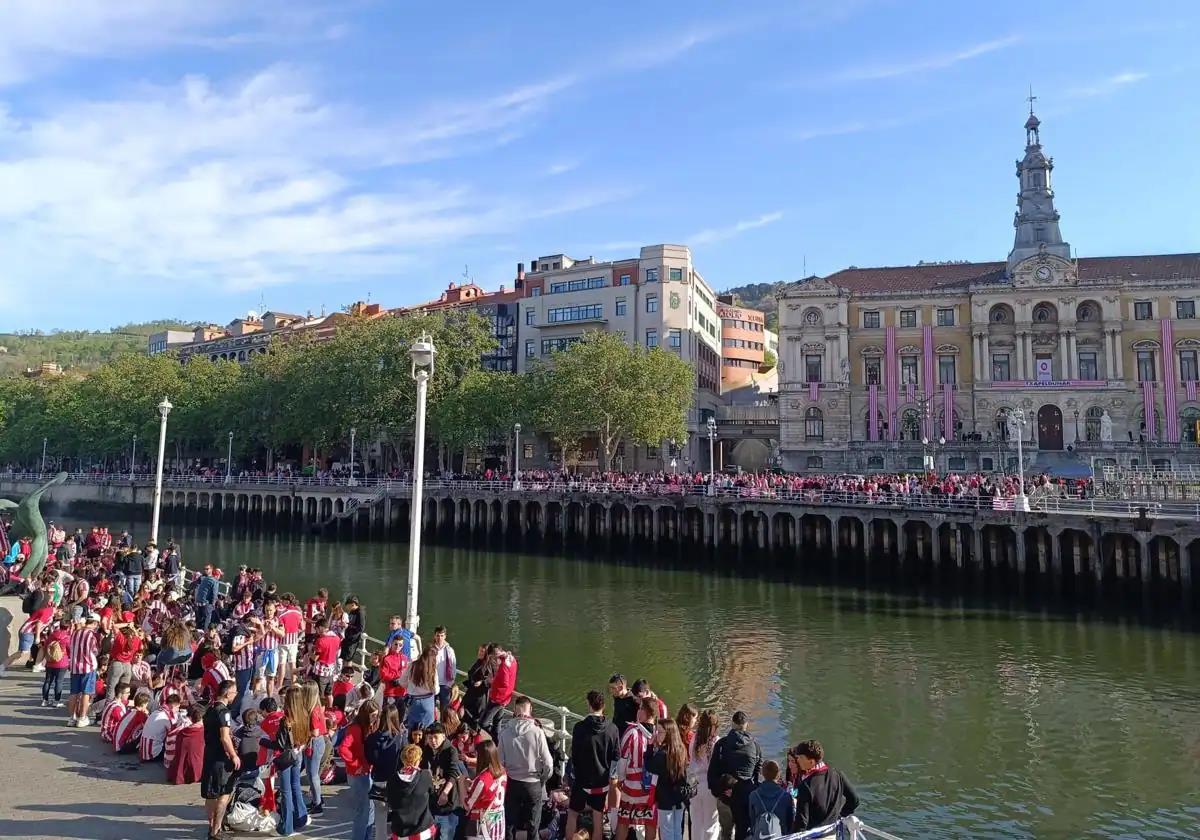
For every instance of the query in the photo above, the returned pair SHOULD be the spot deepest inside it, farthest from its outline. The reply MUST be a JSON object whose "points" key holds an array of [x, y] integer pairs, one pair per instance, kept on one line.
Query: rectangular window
{"points": [[566, 314], [652, 303], [812, 368], [529, 316], [530, 349], [908, 317], [675, 339], [1188, 372], [651, 338], [707, 300], [1143, 311], [620, 309], [651, 275], [1087, 367], [537, 291], [675, 275], [527, 451], [1000, 367], [1185, 309], [946, 370], [872, 371], [945, 317], [1145, 365], [556, 345], [871, 320], [908, 370], [578, 285], [624, 279]]}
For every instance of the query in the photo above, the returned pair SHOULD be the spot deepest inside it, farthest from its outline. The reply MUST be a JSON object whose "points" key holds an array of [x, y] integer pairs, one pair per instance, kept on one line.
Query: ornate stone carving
{"points": [[984, 404]]}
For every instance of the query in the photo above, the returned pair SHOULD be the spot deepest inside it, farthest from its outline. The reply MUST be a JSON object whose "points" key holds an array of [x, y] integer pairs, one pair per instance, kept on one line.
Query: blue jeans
{"points": [[312, 766], [447, 824], [132, 584], [670, 824], [362, 808], [420, 712], [290, 801], [204, 616], [243, 678], [444, 697]]}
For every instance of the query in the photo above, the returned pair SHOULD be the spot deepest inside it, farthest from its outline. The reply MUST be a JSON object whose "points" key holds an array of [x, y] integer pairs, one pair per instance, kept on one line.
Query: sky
{"points": [[202, 160]]}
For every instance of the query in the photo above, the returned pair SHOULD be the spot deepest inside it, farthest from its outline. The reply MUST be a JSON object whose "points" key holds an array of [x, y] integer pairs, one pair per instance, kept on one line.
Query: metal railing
{"points": [[1119, 509], [847, 828]]}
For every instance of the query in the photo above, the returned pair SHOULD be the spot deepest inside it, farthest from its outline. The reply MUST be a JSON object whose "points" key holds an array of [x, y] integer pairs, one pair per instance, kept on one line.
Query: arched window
{"points": [[1091, 423], [1044, 313], [814, 462], [910, 425], [814, 424], [1002, 424], [1188, 418], [1001, 314], [1151, 428], [955, 424], [1087, 311]]}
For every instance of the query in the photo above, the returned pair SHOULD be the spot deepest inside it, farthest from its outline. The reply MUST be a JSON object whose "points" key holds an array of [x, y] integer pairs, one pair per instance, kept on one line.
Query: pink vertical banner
{"points": [[910, 392], [1148, 409], [1170, 403], [814, 390], [1190, 385], [873, 412], [948, 411], [891, 377], [927, 375]]}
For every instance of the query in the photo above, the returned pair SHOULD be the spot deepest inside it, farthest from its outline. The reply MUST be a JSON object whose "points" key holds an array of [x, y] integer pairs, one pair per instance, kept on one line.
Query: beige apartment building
{"points": [[656, 299], [881, 368]]}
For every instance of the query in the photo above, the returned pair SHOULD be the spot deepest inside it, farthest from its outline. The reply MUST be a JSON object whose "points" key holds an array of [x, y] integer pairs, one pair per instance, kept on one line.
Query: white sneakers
{"points": [[39, 668], [74, 721], [83, 723]]}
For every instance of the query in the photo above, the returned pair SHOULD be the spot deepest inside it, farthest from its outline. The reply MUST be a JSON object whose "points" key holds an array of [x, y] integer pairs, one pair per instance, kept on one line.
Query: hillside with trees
{"points": [[77, 350], [759, 296]]}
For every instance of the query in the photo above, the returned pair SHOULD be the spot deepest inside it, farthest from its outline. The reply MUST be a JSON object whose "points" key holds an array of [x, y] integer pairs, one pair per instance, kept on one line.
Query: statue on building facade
{"points": [[1105, 427]]}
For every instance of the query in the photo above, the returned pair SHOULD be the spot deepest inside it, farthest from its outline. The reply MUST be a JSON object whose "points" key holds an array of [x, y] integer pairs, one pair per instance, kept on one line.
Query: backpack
{"points": [[54, 651], [29, 602], [767, 825]]}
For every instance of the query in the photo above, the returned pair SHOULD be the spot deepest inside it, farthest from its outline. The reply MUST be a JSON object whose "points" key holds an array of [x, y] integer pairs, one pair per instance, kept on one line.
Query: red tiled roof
{"points": [[935, 276]]}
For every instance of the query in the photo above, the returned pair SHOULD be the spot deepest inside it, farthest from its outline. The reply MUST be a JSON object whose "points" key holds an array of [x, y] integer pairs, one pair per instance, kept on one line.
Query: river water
{"points": [[953, 720]]}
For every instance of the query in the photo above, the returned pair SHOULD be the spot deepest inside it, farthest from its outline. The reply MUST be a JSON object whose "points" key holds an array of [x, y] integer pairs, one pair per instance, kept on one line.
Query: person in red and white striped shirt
{"points": [[193, 720], [154, 734], [83, 651], [129, 730], [116, 709], [292, 621], [267, 647]]}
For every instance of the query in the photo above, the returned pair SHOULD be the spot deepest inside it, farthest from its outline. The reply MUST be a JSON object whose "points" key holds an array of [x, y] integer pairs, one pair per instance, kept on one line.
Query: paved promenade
{"points": [[61, 782]]}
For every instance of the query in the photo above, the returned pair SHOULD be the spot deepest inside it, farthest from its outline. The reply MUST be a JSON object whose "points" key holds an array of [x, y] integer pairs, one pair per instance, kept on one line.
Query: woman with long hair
{"points": [[291, 739], [485, 796], [422, 689], [358, 770], [318, 743], [706, 823], [667, 760], [685, 719]]}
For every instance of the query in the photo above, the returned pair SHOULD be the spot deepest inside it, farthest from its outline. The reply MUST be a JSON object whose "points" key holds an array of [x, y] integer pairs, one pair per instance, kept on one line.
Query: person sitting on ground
{"points": [[154, 733], [129, 730], [823, 795], [114, 711]]}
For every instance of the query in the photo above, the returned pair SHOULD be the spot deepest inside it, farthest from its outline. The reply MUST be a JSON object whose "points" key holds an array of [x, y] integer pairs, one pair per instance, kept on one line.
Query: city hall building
{"points": [[882, 368]]}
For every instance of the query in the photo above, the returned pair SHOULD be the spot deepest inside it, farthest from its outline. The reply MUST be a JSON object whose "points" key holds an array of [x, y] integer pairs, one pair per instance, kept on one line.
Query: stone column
{"points": [[1019, 533], [985, 363], [977, 545], [1118, 354], [1063, 363], [976, 343], [1072, 355]]}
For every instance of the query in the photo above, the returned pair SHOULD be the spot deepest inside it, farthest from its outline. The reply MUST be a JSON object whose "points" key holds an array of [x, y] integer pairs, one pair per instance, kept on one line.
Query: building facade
{"points": [[167, 340], [882, 368], [657, 299], [244, 338], [498, 308], [743, 342]]}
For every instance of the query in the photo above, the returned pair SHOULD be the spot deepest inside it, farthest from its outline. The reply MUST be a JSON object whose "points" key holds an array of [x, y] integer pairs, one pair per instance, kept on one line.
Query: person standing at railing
{"points": [[526, 757], [205, 598], [393, 674], [355, 628], [823, 794], [504, 684], [422, 686], [738, 756], [447, 666], [595, 751]]}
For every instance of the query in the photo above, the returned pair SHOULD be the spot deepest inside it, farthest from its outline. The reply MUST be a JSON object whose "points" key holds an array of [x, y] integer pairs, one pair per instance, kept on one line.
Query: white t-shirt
{"points": [[156, 730]]}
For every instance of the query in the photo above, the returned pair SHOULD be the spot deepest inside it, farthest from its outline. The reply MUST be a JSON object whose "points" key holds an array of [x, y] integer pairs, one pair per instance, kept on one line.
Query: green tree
{"points": [[769, 360], [604, 386]]}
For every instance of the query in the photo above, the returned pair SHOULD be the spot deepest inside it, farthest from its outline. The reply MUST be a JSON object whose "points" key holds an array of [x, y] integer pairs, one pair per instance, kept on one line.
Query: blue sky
{"points": [[199, 160]]}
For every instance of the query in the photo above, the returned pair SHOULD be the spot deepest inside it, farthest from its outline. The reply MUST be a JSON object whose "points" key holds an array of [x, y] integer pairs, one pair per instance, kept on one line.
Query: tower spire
{"points": [[1036, 220]]}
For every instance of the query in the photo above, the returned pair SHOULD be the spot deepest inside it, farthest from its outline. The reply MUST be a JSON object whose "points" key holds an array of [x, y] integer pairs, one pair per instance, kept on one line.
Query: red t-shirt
{"points": [[124, 648], [317, 722], [64, 639], [327, 649], [292, 622], [342, 687], [313, 607], [504, 684]]}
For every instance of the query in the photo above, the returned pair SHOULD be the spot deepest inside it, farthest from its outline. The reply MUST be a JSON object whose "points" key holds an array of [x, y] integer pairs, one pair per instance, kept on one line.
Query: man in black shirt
{"points": [[823, 795], [739, 757], [625, 705], [221, 761], [441, 759], [595, 750]]}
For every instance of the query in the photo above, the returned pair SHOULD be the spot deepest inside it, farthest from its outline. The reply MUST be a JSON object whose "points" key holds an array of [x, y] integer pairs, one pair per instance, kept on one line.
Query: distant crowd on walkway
{"points": [[230, 683]]}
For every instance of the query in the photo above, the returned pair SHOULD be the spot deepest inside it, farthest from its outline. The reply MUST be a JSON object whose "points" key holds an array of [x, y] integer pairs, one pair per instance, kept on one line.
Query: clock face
{"points": [[1043, 272]]}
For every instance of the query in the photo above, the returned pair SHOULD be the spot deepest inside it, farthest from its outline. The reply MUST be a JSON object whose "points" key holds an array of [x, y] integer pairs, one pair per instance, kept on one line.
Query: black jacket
{"points": [[823, 798], [595, 749], [625, 711], [737, 755], [478, 683], [408, 798], [382, 750], [444, 766], [668, 793]]}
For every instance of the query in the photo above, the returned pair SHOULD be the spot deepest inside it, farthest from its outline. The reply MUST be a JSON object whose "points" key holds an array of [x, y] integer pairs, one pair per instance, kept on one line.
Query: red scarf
{"points": [[819, 767]]}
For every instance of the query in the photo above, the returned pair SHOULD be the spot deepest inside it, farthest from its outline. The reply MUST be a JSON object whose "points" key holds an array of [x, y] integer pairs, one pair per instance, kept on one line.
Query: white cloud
{"points": [[706, 237], [254, 184], [561, 167], [1108, 85], [842, 129], [920, 64]]}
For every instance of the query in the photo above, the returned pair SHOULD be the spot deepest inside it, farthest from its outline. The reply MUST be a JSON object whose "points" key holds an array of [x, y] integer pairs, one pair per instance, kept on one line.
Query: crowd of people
{"points": [[229, 683]]}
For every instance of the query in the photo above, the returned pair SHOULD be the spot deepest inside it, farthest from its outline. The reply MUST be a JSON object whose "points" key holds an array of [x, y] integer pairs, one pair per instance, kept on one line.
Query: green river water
{"points": [[953, 720]]}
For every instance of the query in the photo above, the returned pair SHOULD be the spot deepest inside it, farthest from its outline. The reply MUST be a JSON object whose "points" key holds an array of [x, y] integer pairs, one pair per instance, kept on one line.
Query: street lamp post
{"points": [[1077, 428], [423, 355], [1022, 501], [229, 460], [44, 454], [132, 459], [712, 458], [517, 456], [353, 432], [164, 408]]}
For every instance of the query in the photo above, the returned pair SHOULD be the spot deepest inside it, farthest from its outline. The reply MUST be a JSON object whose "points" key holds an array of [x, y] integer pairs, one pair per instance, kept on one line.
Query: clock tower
{"points": [[1036, 220]]}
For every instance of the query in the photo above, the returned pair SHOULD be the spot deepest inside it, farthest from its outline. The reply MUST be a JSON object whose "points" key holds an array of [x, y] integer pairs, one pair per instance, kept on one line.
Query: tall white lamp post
{"points": [[1022, 501], [516, 456], [132, 459], [44, 454], [712, 458], [164, 408], [353, 432], [229, 460], [423, 354]]}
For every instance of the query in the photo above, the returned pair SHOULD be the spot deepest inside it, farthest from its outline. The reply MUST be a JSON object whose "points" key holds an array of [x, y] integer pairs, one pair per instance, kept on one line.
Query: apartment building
{"points": [[498, 308], [656, 299]]}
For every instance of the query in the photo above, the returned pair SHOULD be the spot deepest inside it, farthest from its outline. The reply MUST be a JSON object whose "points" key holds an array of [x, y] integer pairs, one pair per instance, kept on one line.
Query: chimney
{"points": [[520, 271]]}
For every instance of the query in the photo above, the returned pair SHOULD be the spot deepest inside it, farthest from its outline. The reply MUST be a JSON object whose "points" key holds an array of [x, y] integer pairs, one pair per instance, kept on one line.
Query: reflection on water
{"points": [[954, 720]]}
